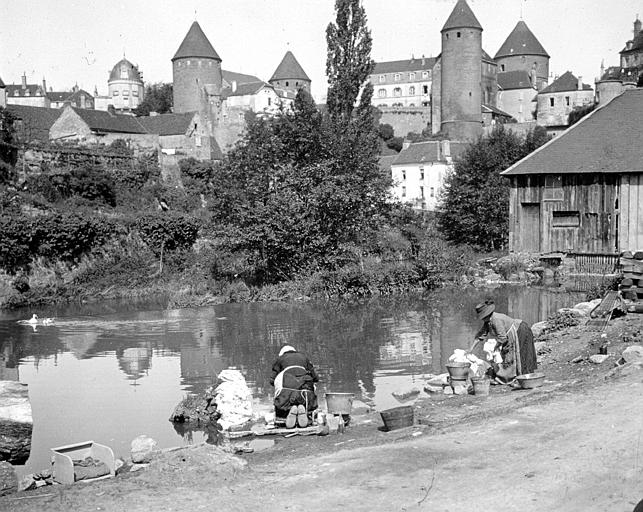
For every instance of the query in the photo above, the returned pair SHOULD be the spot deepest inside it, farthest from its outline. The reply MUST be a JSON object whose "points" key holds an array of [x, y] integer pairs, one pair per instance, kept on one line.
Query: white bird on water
{"points": [[35, 320]]}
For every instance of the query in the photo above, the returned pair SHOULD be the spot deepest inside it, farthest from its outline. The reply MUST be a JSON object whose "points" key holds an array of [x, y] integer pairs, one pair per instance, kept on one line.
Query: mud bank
{"points": [[568, 445]]}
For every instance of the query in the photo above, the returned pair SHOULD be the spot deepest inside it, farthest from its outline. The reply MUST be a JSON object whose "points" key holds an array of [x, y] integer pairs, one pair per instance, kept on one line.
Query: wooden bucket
{"points": [[398, 417]]}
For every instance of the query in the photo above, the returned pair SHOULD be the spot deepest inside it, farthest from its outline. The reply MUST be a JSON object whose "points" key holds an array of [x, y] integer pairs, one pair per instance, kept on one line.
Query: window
{"points": [[432, 192], [422, 173], [422, 192], [188, 63], [403, 174], [115, 93], [425, 74], [425, 89], [240, 117], [553, 187], [397, 91], [411, 91], [124, 72], [411, 104], [425, 104], [381, 93], [458, 34], [269, 101], [382, 78], [135, 92], [565, 219], [396, 77], [403, 191], [567, 100], [411, 76], [551, 102], [502, 67]]}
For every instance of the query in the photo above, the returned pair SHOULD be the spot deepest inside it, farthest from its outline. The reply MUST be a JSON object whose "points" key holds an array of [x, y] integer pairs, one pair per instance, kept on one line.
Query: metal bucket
{"points": [[481, 386], [339, 403], [398, 417]]}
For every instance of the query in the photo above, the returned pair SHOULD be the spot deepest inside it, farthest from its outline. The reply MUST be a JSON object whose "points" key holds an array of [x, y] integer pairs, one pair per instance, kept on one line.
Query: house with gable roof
{"points": [[582, 192], [557, 100]]}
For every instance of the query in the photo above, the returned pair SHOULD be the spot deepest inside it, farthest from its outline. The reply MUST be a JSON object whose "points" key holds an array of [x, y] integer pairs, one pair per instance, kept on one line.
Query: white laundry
{"points": [[233, 398]]}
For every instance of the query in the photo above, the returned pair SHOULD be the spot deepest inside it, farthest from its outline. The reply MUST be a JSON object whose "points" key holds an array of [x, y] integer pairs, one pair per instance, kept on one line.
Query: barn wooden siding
{"points": [[631, 217], [589, 199]]}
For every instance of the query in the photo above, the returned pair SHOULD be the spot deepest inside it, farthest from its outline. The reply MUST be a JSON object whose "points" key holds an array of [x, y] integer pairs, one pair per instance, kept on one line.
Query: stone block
{"points": [[143, 448], [599, 358]]}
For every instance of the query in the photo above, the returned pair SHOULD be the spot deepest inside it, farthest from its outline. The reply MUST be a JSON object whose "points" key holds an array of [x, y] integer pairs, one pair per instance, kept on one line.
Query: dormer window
{"points": [[425, 74], [124, 72], [382, 78], [396, 77]]}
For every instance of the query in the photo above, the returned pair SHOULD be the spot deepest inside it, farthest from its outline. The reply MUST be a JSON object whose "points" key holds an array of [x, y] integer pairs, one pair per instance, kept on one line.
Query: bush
{"points": [[167, 231]]}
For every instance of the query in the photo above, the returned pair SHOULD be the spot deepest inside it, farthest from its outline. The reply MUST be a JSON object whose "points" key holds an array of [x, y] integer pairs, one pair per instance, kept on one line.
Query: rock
{"points": [[432, 389], [143, 448], [8, 479], [578, 359], [585, 307], [538, 328], [598, 358], [27, 483], [439, 380], [406, 394], [632, 354], [448, 390], [138, 467], [575, 312], [541, 347], [16, 422]]}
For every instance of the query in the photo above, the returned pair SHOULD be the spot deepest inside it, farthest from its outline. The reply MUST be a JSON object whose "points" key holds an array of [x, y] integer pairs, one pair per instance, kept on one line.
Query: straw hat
{"points": [[286, 348], [484, 309]]}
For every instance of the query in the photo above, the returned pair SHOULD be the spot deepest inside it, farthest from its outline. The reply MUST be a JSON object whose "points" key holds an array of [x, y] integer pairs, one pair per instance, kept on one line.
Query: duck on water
{"points": [[36, 320]]}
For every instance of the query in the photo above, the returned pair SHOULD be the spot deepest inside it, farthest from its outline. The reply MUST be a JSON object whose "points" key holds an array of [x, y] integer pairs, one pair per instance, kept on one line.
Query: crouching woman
{"points": [[294, 378]]}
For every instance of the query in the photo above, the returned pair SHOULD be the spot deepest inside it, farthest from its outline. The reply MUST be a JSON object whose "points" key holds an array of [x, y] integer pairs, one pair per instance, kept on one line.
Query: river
{"points": [[109, 372]]}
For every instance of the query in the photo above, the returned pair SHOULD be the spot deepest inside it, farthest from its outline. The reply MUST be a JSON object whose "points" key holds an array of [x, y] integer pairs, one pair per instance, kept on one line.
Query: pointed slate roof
{"points": [[461, 17], [196, 44], [289, 68], [521, 41]]}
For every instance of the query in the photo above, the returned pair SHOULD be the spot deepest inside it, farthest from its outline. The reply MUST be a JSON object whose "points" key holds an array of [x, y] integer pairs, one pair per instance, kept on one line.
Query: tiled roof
{"points": [[637, 44], [428, 151], [404, 66], [34, 90], [58, 96], [131, 70], [167, 124], [245, 89], [461, 17], [521, 41], [518, 79], [36, 121], [196, 44], [490, 109], [606, 140], [564, 83], [289, 69], [102, 121], [240, 78]]}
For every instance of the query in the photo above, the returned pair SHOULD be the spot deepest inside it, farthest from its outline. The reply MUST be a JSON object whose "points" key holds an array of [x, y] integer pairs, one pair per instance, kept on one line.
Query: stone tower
{"points": [[460, 81], [521, 51], [196, 71], [289, 75]]}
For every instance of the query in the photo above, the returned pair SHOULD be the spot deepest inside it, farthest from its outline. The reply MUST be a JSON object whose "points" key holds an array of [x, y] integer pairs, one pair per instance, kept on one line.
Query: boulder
{"points": [[585, 307], [633, 354], [27, 483], [599, 358], [8, 479], [16, 422], [143, 448], [538, 328]]}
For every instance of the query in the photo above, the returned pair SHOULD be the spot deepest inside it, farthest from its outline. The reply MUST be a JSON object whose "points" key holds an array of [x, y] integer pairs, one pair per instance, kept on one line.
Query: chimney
{"points": [[412, 58], [580, 83], [637, 26], [423, 60], [44, 84], [24, 80]]}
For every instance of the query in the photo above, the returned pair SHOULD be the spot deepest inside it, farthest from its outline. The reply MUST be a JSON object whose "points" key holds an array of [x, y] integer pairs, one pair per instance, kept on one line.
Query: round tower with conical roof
{"points": [[196, 71], [289, 75], [461, 61], [522, 51]]}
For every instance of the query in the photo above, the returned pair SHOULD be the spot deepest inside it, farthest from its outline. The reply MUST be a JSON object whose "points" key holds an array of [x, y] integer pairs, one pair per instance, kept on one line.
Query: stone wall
{"points": [[406, 119]]}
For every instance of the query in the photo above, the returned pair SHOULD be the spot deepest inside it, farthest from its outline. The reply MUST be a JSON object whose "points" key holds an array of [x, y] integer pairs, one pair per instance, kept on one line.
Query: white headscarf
{"points": [[286, 348]]}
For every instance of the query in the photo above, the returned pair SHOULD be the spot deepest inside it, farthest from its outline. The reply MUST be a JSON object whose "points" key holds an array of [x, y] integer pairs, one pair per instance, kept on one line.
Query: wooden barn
{"points": [[582, 192]]}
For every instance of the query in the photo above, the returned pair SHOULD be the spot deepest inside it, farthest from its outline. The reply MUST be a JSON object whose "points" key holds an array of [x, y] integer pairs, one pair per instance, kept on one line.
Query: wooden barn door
{"points": [[530, 228]]}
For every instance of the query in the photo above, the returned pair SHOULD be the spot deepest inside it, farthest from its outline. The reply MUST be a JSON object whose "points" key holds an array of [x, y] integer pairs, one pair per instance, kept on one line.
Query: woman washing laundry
{"points": [[515, 342], [294, 377]]}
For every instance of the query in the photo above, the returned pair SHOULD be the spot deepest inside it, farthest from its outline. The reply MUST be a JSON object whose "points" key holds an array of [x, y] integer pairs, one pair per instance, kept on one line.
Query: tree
{"points": [[349, 57], [8, 148], [158, 98], [579, 112], [474, 206]]}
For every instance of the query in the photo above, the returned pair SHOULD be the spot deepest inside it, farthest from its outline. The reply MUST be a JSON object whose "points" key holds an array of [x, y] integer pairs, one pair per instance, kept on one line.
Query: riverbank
{"points": [[553, 445]]}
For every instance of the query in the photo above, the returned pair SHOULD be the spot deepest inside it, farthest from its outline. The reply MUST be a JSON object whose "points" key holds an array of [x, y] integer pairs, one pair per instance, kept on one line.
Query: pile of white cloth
{"points": [[233, 398], [462, 356]]}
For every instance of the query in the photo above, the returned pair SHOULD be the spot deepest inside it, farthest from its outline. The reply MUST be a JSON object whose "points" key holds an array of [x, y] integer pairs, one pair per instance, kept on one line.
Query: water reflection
{"points": [[112, 374]]}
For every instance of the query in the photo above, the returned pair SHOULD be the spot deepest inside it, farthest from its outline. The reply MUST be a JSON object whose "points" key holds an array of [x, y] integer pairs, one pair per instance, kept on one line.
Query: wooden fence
{"points": [[595, 263]]}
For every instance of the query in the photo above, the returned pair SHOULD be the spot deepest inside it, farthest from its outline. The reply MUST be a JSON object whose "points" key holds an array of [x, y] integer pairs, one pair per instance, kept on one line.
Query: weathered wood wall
{"points": [[593, 196], [631, 212]]}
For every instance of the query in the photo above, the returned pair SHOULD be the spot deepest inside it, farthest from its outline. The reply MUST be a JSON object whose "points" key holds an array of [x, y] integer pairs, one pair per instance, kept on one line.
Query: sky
{"points": [[70, 42]]}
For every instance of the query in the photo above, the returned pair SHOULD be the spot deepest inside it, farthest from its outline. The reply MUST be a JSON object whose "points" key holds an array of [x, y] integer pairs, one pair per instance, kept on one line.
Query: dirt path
{"points": [[560, 448]]}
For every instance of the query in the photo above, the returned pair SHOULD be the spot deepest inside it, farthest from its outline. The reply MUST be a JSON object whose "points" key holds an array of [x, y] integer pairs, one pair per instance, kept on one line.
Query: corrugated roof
{"points": [[605, 141], [240, 78], [167, 124], [461, 17], [130, 69], [36, 121], [99, 120], [521, 41], [564, 83], [518, 79], [196, 44], [289, 69], [404, 66]]}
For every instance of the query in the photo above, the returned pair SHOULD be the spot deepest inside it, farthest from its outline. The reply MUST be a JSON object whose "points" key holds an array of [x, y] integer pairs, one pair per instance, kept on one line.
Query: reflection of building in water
{"points": [[135, 362], [535, 304], [80, 344], [8, 361], [408, 348]]}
